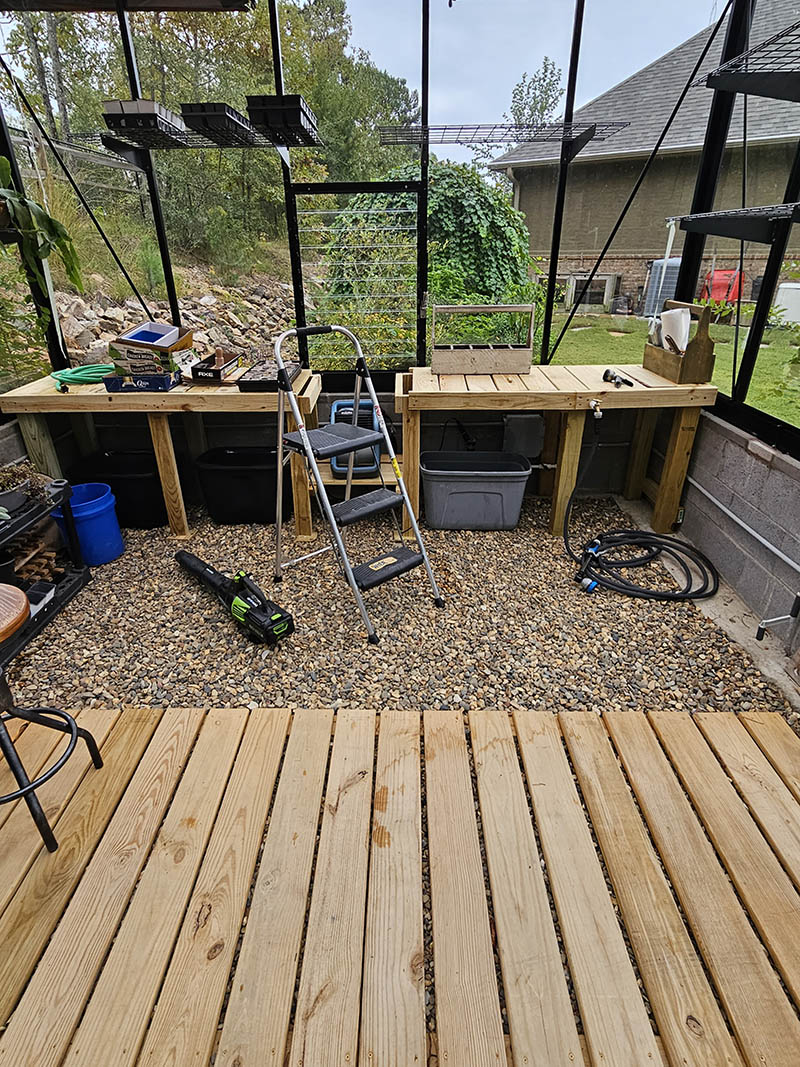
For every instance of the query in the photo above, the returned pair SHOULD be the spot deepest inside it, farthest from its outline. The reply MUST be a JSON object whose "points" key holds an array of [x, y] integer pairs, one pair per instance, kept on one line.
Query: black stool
{"points": [[14, 611]]}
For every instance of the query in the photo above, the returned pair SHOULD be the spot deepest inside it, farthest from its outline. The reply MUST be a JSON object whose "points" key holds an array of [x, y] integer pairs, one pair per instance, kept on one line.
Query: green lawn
{"points": [[776, 382]]}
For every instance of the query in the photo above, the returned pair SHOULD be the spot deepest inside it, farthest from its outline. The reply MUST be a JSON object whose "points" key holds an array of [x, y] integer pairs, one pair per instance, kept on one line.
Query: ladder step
{"points": [[335, 440], [361, 507], [386, 566]]}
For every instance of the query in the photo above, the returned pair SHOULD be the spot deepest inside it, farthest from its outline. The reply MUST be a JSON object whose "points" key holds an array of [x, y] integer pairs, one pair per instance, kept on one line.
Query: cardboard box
{"points": [[136, 357]]}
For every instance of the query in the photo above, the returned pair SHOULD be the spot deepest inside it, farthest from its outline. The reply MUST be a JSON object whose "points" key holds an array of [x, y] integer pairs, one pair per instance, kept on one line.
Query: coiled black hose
{"points": [[600, 564]]}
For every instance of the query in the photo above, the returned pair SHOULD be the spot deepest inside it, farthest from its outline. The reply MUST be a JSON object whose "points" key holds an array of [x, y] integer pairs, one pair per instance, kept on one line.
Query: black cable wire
{"points": [[638, 182], [603, 560], [21, 92]]}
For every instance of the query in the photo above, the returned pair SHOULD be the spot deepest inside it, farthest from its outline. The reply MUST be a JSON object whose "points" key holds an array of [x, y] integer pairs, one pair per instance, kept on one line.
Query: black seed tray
{"points": [[263, 377]]}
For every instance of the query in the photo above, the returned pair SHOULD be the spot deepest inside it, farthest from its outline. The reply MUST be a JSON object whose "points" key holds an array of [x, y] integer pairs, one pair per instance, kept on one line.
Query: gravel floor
{"points": [[515, 632]]}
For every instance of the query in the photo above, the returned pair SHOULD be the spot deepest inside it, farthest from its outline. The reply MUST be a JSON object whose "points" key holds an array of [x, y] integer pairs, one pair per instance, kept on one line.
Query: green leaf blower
{"points": [[261, 619]]}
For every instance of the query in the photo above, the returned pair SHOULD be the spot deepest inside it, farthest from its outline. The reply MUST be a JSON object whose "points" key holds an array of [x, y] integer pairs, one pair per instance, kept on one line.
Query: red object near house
{"points": [[724, 285]]}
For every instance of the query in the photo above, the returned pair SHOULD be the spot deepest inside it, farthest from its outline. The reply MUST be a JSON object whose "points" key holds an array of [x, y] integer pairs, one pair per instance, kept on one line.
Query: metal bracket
{"points": [[574, 145]]}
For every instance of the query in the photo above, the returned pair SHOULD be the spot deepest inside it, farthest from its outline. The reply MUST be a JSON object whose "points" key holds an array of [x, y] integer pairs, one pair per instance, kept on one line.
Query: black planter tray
{"points": [[263, 377], [146, 129], [219, 123], [286, 120], [73, 580], [25, 510]]}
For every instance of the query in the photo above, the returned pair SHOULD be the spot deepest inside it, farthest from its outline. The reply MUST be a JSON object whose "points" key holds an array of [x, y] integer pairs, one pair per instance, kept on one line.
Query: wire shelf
{"points": [[156, 140], [770, 69], [497, 133], [741, 224]]}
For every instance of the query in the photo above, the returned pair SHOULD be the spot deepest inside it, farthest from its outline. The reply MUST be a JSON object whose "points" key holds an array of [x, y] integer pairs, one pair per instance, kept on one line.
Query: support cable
{"points": [[84, 202], [640, 179]]}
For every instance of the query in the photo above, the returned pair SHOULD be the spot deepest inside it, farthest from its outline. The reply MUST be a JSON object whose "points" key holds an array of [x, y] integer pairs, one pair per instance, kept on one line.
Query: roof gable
{"points": [[646, 98]]}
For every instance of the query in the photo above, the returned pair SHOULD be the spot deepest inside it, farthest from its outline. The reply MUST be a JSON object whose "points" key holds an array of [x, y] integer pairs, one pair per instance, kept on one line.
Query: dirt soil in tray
{"points": [[516, 632]]}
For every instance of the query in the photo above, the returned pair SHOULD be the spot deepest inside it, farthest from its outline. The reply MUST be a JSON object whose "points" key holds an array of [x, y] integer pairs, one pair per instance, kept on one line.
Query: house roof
{"points": [[646, 99]]}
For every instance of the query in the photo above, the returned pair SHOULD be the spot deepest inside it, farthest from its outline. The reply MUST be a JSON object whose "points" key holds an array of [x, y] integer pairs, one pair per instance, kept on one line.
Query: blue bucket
{"points": [[95, 521]]}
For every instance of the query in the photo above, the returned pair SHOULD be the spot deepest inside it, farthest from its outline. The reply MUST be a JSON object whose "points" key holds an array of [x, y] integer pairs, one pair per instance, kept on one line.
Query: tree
{"points": [[534, 100]]}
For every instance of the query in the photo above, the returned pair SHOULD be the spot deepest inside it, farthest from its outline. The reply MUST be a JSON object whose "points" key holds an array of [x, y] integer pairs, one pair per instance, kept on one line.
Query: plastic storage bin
{"points": [[134, 481], [96, 522], [473, 490], [239, 484]]}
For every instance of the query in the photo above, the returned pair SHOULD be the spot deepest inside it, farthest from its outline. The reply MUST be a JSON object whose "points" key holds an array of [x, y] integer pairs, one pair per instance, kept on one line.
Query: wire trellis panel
{"points": [[770, 69], [497, 133]]}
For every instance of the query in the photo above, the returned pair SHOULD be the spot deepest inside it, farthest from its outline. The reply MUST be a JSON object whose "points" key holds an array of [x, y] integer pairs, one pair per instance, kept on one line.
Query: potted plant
{"points": [[39, 233], [18, 483]]}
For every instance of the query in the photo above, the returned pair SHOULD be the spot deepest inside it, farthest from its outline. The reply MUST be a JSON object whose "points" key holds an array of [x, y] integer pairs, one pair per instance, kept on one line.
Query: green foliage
{"points": [[40, 234], [22, 342], [478, 254], [150, 266], [194, 56], [534, 100]]}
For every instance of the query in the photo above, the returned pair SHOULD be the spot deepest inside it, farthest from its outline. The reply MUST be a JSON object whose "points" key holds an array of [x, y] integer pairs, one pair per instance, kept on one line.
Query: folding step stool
{"points": [[341, 439]]}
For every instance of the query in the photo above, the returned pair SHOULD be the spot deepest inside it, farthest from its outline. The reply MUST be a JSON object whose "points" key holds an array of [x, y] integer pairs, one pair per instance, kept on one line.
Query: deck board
{"points": [[762, 1017], [250, 888]]}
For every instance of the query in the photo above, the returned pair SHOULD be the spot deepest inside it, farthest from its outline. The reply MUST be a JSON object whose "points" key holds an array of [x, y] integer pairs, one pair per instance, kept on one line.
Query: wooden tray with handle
{"points": [[696, 364]]}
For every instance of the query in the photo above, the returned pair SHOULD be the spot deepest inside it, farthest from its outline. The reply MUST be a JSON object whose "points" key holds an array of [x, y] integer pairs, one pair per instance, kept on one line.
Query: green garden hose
{"points": [[89, 374]]}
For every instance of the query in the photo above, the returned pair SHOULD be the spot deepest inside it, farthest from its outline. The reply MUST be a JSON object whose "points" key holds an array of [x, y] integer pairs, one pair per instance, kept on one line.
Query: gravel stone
{"points": [[516, 632]]}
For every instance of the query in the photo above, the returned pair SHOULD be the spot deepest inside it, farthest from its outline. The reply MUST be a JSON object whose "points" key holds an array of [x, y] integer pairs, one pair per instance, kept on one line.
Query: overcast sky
{"points": [[480, 48]]}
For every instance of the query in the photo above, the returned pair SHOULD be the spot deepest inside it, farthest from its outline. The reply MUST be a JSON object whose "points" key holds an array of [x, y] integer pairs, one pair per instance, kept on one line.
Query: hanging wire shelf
{"points": [[741, 224], [770, 69], [497, 133]]}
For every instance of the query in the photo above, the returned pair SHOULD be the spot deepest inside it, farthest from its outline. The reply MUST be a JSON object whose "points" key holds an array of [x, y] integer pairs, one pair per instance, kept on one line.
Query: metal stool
{"points": [[14, 612]]}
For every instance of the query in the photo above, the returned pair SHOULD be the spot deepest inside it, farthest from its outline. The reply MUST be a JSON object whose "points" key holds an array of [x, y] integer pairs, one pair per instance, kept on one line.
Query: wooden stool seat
{"points": [[14, 610]]}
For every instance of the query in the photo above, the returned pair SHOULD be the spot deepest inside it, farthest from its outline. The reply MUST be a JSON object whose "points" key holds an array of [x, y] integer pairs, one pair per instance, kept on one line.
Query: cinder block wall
{"points": [[762, 488]]}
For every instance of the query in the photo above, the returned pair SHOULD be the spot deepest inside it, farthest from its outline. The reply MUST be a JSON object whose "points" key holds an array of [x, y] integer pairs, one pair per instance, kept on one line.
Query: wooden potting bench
{"points": [[566, 890], [32, 402], [573, 392]]}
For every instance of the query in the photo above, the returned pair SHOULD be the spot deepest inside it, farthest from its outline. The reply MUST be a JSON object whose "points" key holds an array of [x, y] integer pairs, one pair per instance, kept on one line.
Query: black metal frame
{"points": [[708, 171], [52, 719], [569, 148]]}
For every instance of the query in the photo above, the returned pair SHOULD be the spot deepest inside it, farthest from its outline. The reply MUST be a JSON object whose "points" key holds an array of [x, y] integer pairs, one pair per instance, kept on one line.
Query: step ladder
{"points": [[345, 439]]}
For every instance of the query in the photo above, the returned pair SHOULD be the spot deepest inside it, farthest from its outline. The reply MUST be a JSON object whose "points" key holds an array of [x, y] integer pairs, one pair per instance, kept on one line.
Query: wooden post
{"points": [[168, 473], [569, 454], [195, 433], [303, 525], [552, 426], [411, 440], [39, 444], [676, 464], [641, 446]]}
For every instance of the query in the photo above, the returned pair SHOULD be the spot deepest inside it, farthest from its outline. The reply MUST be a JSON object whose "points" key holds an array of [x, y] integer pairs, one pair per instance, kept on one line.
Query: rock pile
{"points": [[236, 318]]}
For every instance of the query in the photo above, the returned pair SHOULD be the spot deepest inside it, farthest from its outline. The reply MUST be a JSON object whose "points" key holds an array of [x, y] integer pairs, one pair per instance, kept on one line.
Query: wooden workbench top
{"points": [[555, 387], [42, 396]]}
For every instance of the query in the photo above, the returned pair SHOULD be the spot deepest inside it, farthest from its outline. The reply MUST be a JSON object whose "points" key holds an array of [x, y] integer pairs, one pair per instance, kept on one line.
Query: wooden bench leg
{"points": [[641, 447], [301, 494], [168, 473], [676, 464], [411, 436], [39, 444], [569, 454]]}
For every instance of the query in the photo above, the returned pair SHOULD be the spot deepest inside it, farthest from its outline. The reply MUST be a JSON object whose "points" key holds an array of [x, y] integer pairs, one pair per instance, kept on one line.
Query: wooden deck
{"points": [[233, 888]]}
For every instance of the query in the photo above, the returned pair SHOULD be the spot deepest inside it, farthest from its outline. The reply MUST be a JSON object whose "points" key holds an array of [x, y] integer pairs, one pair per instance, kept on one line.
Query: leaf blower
{"points": [[261, 619]]}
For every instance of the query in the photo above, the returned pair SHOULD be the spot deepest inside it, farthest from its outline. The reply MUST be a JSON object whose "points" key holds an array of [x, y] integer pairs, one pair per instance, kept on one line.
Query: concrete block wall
{"points": [[761, 486]]}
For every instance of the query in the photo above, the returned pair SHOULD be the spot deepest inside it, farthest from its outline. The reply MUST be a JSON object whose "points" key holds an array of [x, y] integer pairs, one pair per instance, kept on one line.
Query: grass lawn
{"points": [[615, 339]]}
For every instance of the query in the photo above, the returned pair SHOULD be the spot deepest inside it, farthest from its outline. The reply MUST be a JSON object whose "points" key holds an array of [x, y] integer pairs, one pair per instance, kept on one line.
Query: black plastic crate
{"points": [[287, 120], [219, 123], [240, 484], [133, 477]]}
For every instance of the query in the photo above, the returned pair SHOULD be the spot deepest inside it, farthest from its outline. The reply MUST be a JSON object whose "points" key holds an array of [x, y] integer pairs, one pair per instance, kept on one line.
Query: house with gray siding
{"points": [[601, 177]]}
